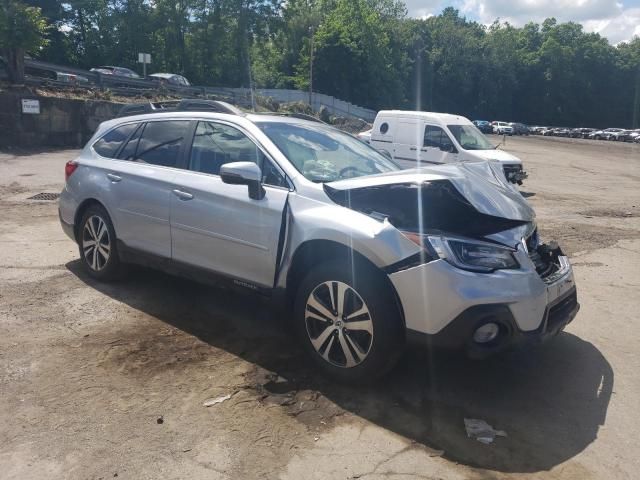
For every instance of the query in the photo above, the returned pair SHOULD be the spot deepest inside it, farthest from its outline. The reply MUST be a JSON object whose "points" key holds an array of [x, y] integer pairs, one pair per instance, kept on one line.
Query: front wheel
{"points": [[348, 322]]}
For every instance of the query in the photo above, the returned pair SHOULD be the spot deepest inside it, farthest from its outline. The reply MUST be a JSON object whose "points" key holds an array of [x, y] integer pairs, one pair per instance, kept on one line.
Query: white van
{"points": [[435, 138]]}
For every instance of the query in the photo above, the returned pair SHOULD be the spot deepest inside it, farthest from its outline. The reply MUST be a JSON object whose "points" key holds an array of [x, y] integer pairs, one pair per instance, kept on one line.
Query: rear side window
{"points": [[129, 150], [109, 144], [160, 142]]}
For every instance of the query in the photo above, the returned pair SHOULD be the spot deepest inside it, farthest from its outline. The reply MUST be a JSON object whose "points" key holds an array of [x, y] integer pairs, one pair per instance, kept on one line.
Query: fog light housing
{"points": [[486, 333]]}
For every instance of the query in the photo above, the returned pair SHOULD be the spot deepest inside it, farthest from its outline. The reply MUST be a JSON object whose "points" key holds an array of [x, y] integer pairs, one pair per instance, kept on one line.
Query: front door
{"points": [[217, 226], [437, 147]]}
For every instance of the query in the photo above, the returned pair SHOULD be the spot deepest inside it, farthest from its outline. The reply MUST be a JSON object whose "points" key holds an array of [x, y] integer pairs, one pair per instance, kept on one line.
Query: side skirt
{"points": [[197, 274]]}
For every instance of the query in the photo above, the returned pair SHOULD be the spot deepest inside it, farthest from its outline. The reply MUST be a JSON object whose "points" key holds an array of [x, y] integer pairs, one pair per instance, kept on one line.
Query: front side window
{"points": [[324, 154], [160, 142], [436, 137], [470, 138], [215, 144], [109, 144]]}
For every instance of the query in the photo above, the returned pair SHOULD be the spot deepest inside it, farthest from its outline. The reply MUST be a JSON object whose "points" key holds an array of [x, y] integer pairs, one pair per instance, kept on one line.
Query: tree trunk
{"points": [[15, 65]]}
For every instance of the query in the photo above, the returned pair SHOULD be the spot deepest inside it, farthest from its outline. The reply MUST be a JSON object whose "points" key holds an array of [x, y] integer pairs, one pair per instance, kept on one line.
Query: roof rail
{"points": [[184, 105], [301, 116]]}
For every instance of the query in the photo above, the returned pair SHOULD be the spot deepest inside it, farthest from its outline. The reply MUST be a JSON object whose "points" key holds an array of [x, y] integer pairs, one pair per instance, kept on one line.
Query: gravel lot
{"points": [[99, 381]]}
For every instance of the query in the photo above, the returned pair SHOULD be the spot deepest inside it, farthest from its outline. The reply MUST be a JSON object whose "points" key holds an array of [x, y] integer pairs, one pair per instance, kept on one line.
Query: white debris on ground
{"points": [[482, 431], [215, 401]]}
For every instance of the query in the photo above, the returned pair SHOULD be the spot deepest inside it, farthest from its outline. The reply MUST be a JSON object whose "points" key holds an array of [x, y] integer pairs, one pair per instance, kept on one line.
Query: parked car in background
{"points": [[71, 78], [502, 128], [483, 125], [438, 138], [361, 255], [171, 79], [622, 136], [581, 132], [604, 134], [120, 71], [519, 128], [547, 131], [634, 135], [561, 132]]}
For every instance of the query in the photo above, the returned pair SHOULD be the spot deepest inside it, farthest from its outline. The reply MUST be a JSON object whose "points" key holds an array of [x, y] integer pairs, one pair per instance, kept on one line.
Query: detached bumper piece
{"points": [[459, 334]]}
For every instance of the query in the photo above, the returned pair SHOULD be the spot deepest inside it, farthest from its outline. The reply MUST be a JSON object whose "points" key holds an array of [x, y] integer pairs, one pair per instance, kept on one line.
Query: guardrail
{"points": [[44, 73]]}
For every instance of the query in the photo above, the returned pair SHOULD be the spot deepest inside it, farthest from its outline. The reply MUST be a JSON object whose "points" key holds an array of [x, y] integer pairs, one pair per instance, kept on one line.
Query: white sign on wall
{"points": [[30, 106]]}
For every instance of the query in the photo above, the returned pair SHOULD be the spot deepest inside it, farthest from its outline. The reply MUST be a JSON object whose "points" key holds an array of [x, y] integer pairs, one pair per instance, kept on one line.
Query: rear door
{"points": [[382, 135], [140, 184], [216, 226]]}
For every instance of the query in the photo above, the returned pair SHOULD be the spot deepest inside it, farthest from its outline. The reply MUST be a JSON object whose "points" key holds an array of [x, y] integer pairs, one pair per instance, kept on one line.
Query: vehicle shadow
{"points": [[551, 400], [527, 194]]}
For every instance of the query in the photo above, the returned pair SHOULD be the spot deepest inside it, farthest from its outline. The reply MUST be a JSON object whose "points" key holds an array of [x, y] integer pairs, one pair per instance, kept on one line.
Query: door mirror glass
{"points": [[244, 173], [447, 147]]}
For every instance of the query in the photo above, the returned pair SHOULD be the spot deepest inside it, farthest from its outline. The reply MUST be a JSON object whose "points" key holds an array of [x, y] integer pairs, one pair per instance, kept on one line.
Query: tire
{"points": [[102, 263], [371, 351]]}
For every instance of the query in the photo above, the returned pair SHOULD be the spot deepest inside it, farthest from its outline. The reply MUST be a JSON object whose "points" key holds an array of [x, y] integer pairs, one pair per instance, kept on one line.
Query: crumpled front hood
{"points": [[482, 184], [496, 155]]}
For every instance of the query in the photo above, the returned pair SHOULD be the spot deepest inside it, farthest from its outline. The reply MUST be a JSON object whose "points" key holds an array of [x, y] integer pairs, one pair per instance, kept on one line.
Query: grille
{"points": [[512, 169], [45, 196], [544, 264]]}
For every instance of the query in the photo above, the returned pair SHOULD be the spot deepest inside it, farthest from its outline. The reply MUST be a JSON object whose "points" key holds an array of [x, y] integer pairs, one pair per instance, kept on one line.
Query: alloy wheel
{"points": [[96, 243], [339, 324]]}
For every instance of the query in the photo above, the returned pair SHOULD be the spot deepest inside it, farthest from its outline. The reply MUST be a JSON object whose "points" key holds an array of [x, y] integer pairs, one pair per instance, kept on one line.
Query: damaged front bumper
{"points": [[443, 306], [515, 173]]}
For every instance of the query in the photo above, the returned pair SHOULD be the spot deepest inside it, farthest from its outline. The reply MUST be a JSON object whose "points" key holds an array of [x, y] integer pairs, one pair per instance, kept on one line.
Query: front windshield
{"points": [[324, 154], [470, 138]]}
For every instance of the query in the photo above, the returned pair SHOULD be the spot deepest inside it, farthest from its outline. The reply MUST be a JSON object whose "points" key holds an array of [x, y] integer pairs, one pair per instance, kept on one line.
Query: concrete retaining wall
{"points": [[61, 122]]}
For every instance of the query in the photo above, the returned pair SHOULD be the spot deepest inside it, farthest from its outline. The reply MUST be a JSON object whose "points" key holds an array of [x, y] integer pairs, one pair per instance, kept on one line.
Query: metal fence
{"points": [[45, 73]]}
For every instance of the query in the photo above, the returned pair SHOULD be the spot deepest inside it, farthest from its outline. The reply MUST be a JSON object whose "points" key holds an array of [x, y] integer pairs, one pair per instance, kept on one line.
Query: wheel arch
{"points": [[84, 205], [314, 252]]}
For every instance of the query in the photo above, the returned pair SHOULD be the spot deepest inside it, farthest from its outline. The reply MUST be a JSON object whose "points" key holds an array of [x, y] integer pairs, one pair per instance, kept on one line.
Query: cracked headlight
{"points": [[467, 254]]}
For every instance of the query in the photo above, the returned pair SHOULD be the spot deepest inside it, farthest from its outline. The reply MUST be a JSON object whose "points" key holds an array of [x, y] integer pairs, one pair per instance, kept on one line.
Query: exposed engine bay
{"points": [[422, 207]]}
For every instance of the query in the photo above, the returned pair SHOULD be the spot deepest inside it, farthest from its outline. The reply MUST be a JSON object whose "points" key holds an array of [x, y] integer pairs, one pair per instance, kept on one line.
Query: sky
{"points": [[618, 21]]}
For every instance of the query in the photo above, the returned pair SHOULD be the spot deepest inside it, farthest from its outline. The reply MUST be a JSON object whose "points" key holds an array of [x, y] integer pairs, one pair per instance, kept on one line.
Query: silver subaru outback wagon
{"points": [[363, 256]]}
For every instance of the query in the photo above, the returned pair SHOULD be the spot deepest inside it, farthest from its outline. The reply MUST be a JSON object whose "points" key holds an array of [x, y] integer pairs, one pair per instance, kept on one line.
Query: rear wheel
{"points": [[348, 322], [97, 243]]}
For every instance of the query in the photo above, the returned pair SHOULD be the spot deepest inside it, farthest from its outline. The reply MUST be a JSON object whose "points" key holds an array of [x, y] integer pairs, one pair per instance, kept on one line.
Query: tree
{"points": [[22, 30]]}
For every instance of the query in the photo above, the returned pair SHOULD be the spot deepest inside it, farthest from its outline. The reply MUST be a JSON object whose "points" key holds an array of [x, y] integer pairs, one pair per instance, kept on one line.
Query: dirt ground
{"points": [[103, 381]]}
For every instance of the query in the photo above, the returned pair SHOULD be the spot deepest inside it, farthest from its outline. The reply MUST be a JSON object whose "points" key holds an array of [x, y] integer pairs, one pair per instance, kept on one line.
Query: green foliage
{"points": [[21, 27], [364, 51]]}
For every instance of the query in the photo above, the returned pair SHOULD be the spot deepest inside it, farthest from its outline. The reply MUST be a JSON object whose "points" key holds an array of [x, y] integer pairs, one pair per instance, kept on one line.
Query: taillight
{"points": [[69, 168]]}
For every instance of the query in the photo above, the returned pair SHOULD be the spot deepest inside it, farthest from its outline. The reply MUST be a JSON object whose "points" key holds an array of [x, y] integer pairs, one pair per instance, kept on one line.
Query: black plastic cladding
{"points": [[439, 203]]}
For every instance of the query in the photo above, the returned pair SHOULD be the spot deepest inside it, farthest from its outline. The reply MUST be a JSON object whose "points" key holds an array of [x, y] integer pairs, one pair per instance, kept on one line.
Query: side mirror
{"points": [[448, 147], [244, 173]]}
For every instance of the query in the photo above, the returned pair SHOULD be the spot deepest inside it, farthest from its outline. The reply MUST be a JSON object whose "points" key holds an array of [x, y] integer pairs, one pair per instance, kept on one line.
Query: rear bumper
{"points": [[67, 227]]}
